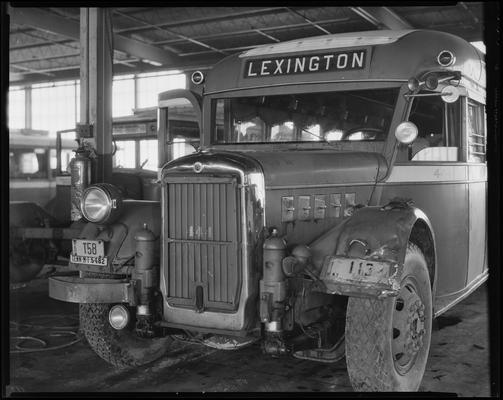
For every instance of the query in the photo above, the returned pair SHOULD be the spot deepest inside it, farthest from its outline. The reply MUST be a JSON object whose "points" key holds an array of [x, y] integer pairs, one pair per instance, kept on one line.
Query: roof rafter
{"points": [[170, 32], [382, 17], [49, 22], [201, 20], [251, 30], [308, 20]]}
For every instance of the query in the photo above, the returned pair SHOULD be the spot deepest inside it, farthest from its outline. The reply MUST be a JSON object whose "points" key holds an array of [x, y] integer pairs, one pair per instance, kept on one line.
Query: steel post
{"points": [[96, 40]]}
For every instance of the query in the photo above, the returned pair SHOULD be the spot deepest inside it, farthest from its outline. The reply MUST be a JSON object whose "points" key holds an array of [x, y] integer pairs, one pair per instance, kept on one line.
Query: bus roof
{"points": [[326, 42], [382, 55], [18, 140]]}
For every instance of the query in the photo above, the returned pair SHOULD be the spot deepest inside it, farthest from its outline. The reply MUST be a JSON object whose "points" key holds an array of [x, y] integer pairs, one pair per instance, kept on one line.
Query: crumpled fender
{"points": [[119, 236], [371, 232]]}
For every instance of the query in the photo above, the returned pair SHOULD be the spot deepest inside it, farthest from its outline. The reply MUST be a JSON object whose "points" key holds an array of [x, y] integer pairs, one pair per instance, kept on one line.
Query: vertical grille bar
{"points": [[203, 238]]}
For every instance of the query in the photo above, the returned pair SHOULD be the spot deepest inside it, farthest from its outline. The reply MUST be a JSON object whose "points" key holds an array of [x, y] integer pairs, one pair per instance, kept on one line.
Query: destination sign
{"points": [[327, 62]]}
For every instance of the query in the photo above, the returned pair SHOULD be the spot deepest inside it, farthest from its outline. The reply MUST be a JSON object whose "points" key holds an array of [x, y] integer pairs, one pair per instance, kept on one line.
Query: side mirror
{"points": [[406, 132], [450, 94]]}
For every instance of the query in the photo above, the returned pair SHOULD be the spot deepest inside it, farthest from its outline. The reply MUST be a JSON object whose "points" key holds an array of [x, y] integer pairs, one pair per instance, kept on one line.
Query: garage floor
{"points": [[458, 361]]}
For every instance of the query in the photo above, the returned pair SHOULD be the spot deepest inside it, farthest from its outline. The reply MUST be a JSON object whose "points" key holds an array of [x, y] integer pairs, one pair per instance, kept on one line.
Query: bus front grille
{"points": [[203, 242]]}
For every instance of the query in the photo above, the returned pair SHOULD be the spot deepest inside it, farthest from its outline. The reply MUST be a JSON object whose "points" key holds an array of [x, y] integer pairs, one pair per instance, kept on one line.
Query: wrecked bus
{"points": [[336, 205]]}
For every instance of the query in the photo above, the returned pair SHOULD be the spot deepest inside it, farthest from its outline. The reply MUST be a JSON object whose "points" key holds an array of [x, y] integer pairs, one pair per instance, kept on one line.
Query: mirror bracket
{"points": [[449, 94]]}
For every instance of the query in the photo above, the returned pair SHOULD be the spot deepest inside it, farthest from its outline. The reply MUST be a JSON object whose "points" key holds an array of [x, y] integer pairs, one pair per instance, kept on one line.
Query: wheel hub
{"points": [[408, 327], [416, 330]]}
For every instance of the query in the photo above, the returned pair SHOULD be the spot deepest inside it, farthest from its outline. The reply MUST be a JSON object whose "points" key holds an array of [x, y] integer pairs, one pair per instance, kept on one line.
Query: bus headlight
{"points": [[101, 203], [406, 132]]}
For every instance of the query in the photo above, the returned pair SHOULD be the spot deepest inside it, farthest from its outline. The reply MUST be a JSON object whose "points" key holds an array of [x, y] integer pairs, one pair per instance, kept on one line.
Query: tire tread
{"points": [[366, 338]]}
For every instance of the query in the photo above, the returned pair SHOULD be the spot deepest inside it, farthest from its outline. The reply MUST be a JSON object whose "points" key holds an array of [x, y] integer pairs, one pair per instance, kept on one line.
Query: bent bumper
{"points": [[92, 290]]}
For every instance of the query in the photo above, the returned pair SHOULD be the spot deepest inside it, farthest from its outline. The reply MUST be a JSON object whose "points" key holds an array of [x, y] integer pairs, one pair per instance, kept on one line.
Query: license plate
{"points": [[90, 252], [351, 270]]}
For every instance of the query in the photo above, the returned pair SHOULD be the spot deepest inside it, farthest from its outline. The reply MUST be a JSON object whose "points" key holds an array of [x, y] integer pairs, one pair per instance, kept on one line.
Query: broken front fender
{"points": [[374, 237]]}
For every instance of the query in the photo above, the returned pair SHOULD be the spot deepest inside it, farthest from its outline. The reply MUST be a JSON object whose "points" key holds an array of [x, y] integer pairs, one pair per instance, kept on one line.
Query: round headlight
{"points": [[118, 317], [101, 203], [406, 132]]}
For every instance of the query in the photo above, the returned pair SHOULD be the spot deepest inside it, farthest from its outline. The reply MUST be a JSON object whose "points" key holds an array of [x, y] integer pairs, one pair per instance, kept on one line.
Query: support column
{"points": [[27, 108], [96, 53]]}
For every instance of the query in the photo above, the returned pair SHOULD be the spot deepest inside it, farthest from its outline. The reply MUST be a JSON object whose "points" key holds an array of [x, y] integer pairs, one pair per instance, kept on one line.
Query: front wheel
{"points": [[387, 341], [120, 348]]}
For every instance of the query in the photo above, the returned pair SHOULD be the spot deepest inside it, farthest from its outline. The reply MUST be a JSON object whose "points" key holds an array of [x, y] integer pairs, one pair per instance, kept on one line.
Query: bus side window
{"points": [[476, 132], [438, 123], [28, 163]]}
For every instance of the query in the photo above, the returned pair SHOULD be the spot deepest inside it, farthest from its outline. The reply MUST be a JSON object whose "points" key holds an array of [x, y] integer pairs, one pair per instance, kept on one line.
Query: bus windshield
{"points": [[358, 115]]}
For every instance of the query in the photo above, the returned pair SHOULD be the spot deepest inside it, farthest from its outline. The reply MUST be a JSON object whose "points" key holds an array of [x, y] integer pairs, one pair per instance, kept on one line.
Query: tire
{"points": [[387, 341], [120, 348]]}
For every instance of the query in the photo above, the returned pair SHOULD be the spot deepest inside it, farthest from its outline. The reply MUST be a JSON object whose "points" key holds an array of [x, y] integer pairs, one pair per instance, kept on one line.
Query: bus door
{"points": [[475, 137], [433, 172], [179, 124]]}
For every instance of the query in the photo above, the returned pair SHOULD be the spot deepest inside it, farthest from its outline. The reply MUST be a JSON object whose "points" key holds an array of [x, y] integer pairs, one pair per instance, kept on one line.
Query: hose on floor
{"points": [[33, 329]]}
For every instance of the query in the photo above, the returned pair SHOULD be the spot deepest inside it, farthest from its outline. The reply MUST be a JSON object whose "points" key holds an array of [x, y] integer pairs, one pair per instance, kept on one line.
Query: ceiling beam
{"points": [[266, 35], [382, 17], [252, 30], [69, 55], [170, 32], [50, 71], [201, 20], [310, 22], [50, 22], [72, 71], [61, 42], [14, 76], [31, 70]]}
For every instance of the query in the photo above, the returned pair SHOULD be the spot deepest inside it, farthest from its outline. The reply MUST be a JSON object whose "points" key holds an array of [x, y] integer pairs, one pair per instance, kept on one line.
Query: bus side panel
{"points": [[446, 205], [478, 225], [305, 231]]}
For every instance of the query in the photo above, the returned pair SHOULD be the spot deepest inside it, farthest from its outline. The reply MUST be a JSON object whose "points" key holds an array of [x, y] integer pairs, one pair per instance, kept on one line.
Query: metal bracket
{"points": [[84, 130]]}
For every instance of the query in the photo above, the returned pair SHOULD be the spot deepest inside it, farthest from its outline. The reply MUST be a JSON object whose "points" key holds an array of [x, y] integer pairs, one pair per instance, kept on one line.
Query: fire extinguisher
{"points": [[80, 178]]}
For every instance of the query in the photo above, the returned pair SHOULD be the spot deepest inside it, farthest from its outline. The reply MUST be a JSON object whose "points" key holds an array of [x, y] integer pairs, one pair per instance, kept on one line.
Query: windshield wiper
{"points": [[321, 138], [315, 135]]}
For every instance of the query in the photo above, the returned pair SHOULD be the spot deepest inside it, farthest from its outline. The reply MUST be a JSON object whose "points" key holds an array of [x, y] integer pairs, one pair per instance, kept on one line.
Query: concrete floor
{"points": [[458, 361]]}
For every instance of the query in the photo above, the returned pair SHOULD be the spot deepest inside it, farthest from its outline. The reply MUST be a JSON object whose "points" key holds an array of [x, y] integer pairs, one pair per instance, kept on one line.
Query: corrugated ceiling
{"points": [[44, 42]]}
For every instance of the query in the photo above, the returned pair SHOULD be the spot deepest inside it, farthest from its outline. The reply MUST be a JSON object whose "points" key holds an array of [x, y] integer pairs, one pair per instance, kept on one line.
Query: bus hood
{"points": [[295, 168]]}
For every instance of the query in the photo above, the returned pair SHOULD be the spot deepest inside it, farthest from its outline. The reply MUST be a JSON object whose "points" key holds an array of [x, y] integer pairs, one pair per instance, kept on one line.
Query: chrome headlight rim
{"points": [[112, 202]]}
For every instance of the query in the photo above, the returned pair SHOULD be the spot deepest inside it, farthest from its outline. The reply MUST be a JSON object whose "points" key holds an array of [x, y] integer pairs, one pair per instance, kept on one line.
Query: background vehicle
{"points": [[40, 223], [33, 165], [311, 219], [39, 193], [136, 152]]}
